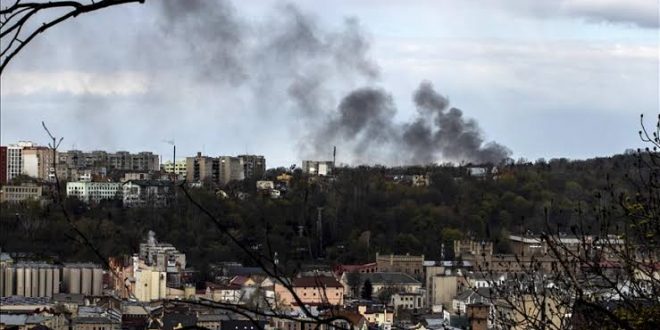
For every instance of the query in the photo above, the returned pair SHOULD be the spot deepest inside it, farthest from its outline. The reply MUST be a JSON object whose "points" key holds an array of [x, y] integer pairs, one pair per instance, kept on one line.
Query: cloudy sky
{"points": [[545, 78]]}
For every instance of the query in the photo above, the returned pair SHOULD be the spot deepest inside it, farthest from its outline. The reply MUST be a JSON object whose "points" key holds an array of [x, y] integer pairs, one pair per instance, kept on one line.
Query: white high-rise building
{"points": [[15, 158]]}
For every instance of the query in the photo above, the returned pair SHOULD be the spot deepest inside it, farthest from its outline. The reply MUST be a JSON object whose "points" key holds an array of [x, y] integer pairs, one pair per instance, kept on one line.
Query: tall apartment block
{"points": [[120, 160], [15, 158], [254, 166], [3, 165]]}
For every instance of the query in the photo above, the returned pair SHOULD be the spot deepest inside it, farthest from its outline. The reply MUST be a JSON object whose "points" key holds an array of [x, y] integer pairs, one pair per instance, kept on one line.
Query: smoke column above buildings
{"points": [[289, 65]]}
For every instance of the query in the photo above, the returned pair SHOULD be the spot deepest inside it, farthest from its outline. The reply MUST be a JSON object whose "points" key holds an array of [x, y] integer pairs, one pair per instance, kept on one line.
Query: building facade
{"points": [[202, 169], [94, 191], [411, 265], [254, 166], [231, 169], [120, 160], [156, 193], [22, 193], [38, 162], [3, 165], [312, 290], [15, 158], [314, 167], [179, 168]]}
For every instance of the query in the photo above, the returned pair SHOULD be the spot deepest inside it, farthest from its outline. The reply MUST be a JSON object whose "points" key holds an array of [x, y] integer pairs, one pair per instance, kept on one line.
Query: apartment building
{"points": [[178, 168], [15, 158], [3, 165], [38, 162], [17, 194], [120, 160], [202, 169], [231, 169], [94, 191], [155, 193], [254, 166]]}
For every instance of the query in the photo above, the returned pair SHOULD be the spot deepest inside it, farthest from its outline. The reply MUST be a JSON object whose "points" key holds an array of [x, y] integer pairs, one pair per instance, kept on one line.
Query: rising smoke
{"points": [[289, 60], [364, 122]]}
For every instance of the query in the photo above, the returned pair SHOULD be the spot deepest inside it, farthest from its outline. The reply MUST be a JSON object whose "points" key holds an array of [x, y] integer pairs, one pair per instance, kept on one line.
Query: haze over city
{"points": [[543, 79]]}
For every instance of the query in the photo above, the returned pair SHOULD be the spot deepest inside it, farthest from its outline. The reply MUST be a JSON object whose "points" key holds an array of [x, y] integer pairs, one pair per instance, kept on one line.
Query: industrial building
{"points": [[40, 279]]}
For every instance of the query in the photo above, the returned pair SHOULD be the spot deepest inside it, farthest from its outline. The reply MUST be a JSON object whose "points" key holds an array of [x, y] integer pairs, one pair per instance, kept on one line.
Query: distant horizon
{"points": [[164, 159], [291, 80]]}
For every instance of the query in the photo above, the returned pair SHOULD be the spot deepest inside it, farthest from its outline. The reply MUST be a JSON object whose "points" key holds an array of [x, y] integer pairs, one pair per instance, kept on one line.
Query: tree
{"points": [[19, 26], [353, 279], [367, 290], [599, 270]]}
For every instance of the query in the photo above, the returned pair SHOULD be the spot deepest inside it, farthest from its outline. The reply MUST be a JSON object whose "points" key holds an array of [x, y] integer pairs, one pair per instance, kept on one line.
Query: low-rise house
{"points": [[408, 300], [311, 290], [467, 297], [94, 323], [226, 293], [29, 312], [378, 315], [34, 320], [211, 321], [485, 280]]}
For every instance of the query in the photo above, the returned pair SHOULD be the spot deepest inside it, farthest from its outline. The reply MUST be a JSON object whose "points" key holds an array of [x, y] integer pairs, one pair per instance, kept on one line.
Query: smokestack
{"points": [[334, 157]]}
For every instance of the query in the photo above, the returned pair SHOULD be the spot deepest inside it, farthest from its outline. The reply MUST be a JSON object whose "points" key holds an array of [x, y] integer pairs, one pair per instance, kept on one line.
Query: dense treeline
{"points": [[363, 210]]}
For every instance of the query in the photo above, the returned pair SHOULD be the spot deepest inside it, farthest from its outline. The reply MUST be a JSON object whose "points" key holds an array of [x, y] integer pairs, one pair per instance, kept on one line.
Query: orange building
{"points": [[312, 290]]}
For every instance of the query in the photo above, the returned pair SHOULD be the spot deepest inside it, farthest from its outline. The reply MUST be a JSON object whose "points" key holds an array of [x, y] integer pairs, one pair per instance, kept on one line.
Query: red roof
{"points": [[340, 269], [316, 281], [239, 280]]}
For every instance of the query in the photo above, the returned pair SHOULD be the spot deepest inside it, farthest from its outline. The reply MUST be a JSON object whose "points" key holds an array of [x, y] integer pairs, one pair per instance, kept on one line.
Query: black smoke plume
{"points": [[364, 124], [291, 65]]}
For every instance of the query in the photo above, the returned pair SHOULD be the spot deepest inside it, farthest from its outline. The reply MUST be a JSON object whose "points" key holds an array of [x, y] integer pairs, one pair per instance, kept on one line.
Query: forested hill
{"points": [[363, 210]]}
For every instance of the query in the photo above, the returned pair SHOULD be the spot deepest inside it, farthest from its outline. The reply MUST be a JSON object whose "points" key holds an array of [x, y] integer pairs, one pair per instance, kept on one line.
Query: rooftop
{"points": [[388, 278], [316, 281]]}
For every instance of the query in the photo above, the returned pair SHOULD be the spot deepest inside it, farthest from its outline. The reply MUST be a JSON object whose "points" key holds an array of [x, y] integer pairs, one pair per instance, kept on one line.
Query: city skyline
{"points": [[544, 80]]}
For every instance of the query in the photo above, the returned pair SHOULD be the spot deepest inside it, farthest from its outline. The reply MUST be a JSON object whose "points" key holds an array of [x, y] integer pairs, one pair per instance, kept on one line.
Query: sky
{"points": [[290, 80]]}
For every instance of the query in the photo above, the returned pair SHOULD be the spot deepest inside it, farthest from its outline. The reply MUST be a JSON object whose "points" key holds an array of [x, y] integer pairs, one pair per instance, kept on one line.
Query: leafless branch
{"points": [[19, 26]]}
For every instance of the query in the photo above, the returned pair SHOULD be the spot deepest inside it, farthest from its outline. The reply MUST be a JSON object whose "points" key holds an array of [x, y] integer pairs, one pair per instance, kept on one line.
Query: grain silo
{"points": [[28, 281], [49, 282], [20, 281], [2, 281], [97, 287], [9, 282], [56, 280], [86, 287], [35, 281], [42, 281], [66, 275], [73, 283]]}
